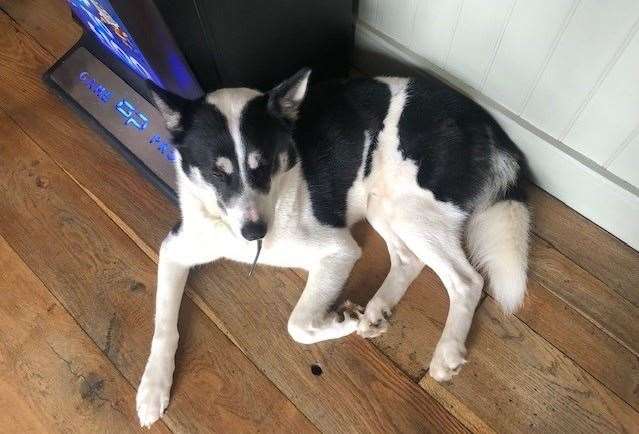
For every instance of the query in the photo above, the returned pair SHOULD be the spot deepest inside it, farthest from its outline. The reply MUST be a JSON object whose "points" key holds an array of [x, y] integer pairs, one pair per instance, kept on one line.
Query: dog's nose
{"points": [[254, 230]]}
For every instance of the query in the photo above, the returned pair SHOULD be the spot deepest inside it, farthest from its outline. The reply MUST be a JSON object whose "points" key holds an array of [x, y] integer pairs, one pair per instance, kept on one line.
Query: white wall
{"points": [[561, 76]]}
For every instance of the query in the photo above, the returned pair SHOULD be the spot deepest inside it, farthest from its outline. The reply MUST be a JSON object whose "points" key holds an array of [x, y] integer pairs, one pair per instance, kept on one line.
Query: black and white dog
{"points": [[295, 168]]}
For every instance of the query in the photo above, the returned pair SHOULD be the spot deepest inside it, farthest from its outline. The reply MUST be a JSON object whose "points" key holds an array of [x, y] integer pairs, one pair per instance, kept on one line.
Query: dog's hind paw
{"points": [[374, 321], [447, 361]]}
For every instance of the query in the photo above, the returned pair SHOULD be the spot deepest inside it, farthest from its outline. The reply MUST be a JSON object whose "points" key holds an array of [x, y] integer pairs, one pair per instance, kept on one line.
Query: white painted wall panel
{"points": [[589, 193], [396, 18], [588, 46], [527, 44], [476, 38], [626, 165], [367, 11], [434, 26], [613, 112]]}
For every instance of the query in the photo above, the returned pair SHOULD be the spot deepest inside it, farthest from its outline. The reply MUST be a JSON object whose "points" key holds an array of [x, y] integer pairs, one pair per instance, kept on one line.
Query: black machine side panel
{"points": [[257, 43]]}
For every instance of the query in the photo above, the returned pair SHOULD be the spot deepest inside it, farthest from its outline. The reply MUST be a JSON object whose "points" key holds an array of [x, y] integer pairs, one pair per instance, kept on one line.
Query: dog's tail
{"points": [[498, 230], [497, 239]]}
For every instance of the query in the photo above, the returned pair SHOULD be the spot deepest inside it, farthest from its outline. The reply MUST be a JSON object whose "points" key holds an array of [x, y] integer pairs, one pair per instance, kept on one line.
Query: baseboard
{"points": [[598, 195]]}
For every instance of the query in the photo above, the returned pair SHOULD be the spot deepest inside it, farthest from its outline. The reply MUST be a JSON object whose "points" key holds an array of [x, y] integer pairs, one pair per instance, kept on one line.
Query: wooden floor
{"points": [[79, 236]]}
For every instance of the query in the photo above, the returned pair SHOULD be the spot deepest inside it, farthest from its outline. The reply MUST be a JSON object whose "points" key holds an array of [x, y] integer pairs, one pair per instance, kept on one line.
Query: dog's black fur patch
{"points": [[329, 136], [452, 140]]}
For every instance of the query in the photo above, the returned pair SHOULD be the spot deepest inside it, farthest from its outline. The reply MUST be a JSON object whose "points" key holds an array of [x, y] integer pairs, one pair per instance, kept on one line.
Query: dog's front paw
{"points": [[374, 321], [316, 327], [153, 393], [349, 310], [447, 360]]}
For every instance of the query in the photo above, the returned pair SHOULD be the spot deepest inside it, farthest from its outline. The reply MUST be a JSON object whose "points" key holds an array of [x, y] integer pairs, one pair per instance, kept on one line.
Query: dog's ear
{"points": [[285, 99], [170, 106]]}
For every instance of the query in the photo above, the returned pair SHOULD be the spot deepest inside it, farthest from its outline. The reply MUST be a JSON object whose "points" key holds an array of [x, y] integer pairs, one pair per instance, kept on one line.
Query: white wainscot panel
{"points": [[528, 41], [626, 165], [613, 113], [367, 11], [475, 40], [595, 33], [395, 19], [602, 201], [435, 22]]}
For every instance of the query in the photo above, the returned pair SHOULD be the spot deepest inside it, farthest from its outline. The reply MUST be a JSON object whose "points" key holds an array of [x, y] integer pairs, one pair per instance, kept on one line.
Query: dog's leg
{"points": [[405, 267], [177, 255], [436, 240], [464, 286], [313, 319]]}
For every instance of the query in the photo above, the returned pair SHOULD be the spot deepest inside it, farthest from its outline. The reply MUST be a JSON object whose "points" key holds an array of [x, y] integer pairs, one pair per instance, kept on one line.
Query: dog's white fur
{"points": [[417, 228]]}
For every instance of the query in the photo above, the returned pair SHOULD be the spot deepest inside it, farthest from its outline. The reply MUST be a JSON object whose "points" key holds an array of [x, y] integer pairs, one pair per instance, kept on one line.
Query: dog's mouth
{"points": [[257, 255]]}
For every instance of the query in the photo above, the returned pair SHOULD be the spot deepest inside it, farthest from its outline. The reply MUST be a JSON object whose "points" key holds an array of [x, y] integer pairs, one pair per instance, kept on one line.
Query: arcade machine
{"points": [[189, 47]]}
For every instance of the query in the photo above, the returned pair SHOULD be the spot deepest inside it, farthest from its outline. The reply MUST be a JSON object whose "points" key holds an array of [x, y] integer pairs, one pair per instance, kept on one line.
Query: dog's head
{"points": [[232, 144]]}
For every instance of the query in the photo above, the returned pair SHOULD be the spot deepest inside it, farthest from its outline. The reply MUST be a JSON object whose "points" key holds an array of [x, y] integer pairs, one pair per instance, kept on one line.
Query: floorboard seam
{"points": [[585, 315], [26, 32], [570, 358], [557, 249]]}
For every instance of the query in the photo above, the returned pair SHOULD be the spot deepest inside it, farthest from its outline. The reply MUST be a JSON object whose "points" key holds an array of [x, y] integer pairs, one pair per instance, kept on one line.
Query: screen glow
{"points": [[99, 17]]}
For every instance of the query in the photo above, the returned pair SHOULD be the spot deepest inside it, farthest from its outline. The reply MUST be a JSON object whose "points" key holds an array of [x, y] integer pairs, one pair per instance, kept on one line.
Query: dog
{"points": [[292, 169]]}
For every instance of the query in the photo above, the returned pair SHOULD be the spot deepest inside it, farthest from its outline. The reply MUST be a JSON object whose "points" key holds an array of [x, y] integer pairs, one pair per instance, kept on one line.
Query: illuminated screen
{"points": [[99, 17]]}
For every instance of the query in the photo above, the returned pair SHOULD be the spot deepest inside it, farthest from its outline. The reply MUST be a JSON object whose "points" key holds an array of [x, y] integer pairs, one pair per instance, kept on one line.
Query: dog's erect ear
{"points": [[170, 105], [285, 99]]}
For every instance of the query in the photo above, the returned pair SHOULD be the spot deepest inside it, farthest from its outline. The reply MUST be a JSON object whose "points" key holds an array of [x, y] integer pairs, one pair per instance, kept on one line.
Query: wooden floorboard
{"points": [[586, 244], [53, 378], [585, 293], [48, 21], [393, 403], [104, 280], [516, 382], [595, 351]]}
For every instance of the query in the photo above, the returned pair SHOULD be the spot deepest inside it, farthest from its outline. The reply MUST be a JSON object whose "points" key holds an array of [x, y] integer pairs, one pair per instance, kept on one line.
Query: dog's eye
{"points": [[219, 173], [222, 167]]}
